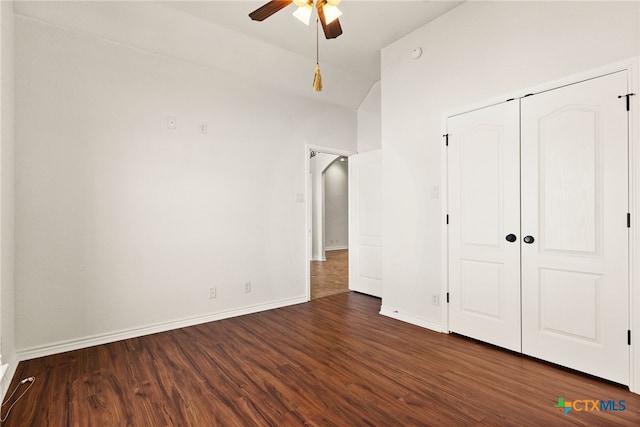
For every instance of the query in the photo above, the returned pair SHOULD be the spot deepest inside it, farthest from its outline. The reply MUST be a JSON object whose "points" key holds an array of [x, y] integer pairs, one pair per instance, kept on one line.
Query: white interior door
{"points": [[574, 205], [365, 230], [484, 208]]}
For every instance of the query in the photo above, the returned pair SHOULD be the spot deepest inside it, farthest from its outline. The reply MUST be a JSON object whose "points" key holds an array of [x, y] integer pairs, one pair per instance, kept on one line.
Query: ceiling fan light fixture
{"points": [[331, 13], [303, 13], [334, 2]]}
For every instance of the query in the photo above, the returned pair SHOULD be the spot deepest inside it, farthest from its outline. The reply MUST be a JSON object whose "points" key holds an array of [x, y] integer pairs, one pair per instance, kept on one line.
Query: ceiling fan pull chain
{"points": [[317, 78]]}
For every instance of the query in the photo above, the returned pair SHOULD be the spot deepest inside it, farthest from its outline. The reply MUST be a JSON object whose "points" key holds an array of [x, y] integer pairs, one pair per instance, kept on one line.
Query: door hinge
{"points": [[446, 139], [447, 297], [629, 336], [628, 220], [629, 95]]}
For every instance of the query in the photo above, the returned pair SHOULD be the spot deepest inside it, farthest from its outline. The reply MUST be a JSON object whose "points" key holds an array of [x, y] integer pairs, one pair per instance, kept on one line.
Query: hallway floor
{"points": [[331, 276]]}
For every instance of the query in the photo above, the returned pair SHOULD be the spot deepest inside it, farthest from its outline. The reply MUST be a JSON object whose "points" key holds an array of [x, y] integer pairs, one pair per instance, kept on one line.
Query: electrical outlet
{"points": [[435, 299], [247, 287], [213, 293]]}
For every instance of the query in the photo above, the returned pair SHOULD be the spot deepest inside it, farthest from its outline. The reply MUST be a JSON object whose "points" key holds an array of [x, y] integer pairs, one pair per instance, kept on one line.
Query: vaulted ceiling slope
{"points": [[279, 52]]}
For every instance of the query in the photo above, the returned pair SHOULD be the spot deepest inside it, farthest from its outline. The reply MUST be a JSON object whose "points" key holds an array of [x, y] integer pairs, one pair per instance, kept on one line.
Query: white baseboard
{"points": [[76, 344], [336, 248], [3, 370], [408, 318], [6, 376]]}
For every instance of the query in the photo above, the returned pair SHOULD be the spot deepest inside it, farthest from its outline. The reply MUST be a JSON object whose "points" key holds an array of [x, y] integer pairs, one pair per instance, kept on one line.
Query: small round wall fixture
{"points": [[416, 53]]}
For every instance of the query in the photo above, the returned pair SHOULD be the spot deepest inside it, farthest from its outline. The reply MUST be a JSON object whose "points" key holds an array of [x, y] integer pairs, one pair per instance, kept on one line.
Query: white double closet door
{"points": [[538, 233]]}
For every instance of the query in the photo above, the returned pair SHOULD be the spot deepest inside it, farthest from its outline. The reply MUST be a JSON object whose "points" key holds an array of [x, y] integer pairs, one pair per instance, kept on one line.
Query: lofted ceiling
{"points": [[279, 52], [368, 26]]}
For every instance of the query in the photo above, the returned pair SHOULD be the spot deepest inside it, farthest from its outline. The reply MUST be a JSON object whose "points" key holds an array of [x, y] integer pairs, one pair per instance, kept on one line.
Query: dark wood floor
{"points": [[331, 276], [331, 362]]}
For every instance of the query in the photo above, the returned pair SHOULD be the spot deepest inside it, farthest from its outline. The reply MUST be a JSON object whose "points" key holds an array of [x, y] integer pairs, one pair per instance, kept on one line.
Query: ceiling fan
{"points": [[328, 13]]}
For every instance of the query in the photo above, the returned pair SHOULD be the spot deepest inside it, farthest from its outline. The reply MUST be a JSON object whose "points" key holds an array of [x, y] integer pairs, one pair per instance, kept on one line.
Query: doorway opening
{"points": [[328, 219]]}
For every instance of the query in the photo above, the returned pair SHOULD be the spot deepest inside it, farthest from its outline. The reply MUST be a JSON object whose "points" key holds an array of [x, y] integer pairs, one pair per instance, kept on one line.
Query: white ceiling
{"points": [[368, 26], [279, 52]]}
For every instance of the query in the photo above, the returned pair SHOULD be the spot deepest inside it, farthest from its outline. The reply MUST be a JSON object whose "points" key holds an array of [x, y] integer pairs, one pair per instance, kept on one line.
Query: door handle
{"points": [[511, 238], [528, 239]]}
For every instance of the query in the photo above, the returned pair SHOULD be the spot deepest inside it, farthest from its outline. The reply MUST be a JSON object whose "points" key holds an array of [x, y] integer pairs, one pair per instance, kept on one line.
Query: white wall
{"points": [[336, 206], [6, 192], [123, 224], [477, 51], [369, 121]]}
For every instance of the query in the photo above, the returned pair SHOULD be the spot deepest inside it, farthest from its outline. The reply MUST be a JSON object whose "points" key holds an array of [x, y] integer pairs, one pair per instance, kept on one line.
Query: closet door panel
{"points": [[569, 181], [574, 203], [484, 207]]}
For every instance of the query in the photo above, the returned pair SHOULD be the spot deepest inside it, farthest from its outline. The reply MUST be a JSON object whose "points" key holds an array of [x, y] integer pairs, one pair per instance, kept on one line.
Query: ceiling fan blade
{"points": [[331, 30], [268, 9]]}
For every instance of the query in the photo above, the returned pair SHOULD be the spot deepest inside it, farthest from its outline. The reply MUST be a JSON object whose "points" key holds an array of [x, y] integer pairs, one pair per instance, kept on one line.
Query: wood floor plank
{"points": [[331, 362], [331, 276]]}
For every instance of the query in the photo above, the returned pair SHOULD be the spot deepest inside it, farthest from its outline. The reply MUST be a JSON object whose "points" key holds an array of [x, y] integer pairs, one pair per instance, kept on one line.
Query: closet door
{"points": [[484, 224], [574, 210]]}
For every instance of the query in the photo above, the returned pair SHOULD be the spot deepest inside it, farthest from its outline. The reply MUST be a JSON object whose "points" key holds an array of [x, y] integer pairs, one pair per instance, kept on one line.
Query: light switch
{"points": [[435, 192], [202, 127]]}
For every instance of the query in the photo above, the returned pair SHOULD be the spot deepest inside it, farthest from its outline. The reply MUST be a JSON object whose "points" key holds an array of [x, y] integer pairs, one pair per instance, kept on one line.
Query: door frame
{"points": [[308, 204], [631, 65]]}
